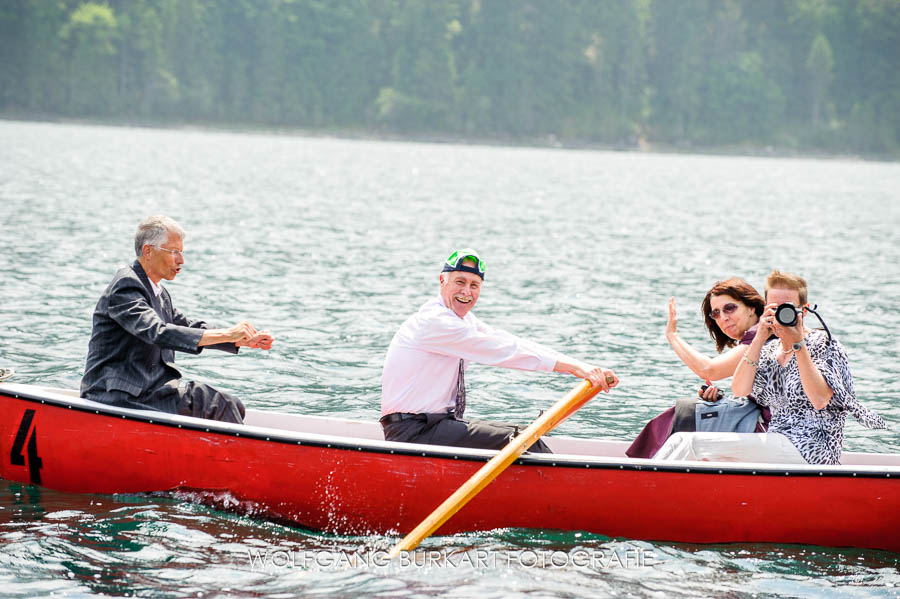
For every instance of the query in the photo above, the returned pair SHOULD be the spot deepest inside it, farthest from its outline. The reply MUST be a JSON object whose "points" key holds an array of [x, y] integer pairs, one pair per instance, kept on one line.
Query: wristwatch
{"points": [[797, 346]]}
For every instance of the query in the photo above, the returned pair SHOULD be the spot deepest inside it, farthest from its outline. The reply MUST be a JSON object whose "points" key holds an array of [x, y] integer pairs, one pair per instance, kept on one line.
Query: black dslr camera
{"points": [[786, 314]]}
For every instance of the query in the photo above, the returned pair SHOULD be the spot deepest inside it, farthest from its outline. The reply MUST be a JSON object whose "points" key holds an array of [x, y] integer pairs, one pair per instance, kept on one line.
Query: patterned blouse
{"points": [[817, 434]]}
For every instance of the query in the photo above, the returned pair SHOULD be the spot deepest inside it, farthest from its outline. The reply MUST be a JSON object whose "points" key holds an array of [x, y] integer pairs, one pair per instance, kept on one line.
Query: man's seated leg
{"points": [[406, 431], [497, 435], [162, 399], [202, 401], [444, 429]]}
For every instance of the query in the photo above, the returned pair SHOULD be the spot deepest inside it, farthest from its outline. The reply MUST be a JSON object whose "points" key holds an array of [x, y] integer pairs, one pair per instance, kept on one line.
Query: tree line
{"points": [[795, 74]]}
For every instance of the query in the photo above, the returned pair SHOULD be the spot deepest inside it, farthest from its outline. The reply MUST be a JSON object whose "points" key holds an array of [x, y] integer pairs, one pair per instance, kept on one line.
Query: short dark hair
{"points": [[742, 292]]}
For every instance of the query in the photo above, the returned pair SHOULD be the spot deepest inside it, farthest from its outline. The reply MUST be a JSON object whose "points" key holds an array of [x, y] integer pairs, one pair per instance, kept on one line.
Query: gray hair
{"points": [[155, 230]]}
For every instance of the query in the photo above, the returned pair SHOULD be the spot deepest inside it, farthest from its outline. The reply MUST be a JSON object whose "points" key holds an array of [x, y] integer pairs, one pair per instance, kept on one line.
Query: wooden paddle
{"points": [[561, 410]]}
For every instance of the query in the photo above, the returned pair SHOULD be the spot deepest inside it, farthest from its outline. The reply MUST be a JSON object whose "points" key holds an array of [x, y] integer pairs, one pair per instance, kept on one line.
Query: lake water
{"points": [[332, 243]]}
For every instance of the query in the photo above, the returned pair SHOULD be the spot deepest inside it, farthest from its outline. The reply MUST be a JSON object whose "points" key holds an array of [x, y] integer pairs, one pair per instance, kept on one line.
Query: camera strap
{"points": [[825, 326]]}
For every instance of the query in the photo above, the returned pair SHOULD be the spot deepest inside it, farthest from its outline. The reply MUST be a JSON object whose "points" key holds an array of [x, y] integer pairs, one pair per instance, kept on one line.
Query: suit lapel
{"points": [[148, 288]]}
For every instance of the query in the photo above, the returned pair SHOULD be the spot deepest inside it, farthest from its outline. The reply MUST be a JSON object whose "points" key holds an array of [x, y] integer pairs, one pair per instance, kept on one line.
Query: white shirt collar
{"points": [[157, 289]]}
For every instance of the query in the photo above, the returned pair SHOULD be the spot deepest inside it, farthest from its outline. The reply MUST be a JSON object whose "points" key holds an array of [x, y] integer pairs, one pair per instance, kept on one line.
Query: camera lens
{"points": [[786, 314]]}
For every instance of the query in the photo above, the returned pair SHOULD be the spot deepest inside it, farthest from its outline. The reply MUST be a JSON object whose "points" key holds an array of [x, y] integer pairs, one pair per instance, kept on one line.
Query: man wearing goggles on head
{"points": [[423, 393]]}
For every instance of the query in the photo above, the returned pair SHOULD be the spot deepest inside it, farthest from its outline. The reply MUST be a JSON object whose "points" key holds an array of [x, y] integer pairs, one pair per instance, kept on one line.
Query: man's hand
{"points": [[241, 333], [262, 340], [598, 376]]}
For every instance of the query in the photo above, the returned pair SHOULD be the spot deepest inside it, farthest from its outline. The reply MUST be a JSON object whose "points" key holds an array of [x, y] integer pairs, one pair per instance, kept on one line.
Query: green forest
{"points": [[793, 75]]}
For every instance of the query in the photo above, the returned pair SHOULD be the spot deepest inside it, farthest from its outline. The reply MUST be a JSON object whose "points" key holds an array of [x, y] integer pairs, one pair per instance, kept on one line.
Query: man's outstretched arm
{"points": [[597, 375], [242, 335]]}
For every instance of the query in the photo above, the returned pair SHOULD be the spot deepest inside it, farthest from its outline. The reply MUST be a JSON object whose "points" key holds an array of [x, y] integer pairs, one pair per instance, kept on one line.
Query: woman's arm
{"points": [[713, 369], [745, 373], [814, 385]]}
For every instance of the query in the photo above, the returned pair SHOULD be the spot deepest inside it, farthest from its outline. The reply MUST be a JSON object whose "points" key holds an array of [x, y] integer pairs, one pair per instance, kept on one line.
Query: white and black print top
{"points": [[817, 434]]}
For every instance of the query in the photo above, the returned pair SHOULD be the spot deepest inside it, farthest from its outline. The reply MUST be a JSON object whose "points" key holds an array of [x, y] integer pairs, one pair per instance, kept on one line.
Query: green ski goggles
{"points": [[455, 262]]}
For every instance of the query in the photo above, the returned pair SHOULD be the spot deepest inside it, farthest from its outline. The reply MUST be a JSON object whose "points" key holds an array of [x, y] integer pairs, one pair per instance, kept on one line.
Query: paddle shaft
{"points": [[576, 398]]}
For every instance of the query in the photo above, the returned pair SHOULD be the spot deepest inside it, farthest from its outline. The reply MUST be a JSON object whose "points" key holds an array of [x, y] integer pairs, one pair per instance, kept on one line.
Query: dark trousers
{"points": [[186, 399], [444, 429]]}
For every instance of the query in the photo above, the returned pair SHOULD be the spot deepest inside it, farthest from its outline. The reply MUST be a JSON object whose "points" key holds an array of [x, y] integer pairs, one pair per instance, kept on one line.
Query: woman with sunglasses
{"points": [[731, 311]]}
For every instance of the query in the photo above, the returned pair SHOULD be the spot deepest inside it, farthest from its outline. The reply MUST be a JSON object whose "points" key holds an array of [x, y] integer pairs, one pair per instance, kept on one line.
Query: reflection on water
{"points": [[332, 243]]}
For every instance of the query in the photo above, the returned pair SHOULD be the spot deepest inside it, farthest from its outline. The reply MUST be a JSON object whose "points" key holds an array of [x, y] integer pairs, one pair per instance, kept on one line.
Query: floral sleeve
{"points": [[831, 360]]}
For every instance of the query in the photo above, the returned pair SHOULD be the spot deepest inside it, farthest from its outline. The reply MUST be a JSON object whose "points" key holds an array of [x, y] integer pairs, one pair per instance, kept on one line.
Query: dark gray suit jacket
{"points": [[134, 338]]}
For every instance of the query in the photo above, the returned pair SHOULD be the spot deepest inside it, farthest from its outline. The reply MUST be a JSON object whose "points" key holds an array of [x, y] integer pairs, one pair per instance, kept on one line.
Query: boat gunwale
{"points": [[336, 442]]}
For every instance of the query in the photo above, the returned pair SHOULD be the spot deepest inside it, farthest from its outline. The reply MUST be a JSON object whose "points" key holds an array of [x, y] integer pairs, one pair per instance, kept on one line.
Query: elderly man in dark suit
{"points": [[136, 331]]}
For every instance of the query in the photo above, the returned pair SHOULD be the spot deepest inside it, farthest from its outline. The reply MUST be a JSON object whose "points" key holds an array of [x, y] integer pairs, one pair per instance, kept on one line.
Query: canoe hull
{"points": [[369, 487]]}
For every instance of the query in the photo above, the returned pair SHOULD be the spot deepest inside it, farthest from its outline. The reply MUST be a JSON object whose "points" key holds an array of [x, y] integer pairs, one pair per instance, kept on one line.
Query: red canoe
{"points": [[340, 476]]}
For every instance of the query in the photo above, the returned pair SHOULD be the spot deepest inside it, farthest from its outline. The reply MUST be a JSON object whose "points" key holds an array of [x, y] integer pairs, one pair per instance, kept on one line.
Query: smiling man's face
{"points": [[460, 290]]}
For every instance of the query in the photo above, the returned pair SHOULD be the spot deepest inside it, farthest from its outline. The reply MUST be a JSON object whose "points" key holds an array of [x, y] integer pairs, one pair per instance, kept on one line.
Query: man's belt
{"points": [[398, 417]]}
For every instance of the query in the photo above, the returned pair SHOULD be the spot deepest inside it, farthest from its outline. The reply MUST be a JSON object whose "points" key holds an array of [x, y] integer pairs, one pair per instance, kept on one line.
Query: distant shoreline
{"points": [[547, 142]]}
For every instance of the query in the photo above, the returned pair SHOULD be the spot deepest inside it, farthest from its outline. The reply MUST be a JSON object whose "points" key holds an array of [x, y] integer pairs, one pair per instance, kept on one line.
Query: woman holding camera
{"points": [[731, 310], [804, 378]]}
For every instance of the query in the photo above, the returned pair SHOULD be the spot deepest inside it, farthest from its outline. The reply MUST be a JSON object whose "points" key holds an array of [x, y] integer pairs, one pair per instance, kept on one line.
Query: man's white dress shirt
{"points": [[157, 289], [422, 363]]}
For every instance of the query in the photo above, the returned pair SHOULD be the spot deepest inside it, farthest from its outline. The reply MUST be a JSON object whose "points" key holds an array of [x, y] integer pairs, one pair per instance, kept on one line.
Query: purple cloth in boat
{"points": [[653, 435]]}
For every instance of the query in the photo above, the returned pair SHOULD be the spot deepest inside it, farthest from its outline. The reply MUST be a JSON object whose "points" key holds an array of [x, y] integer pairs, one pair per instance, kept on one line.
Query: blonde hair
{"points": [[786, 280]]}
